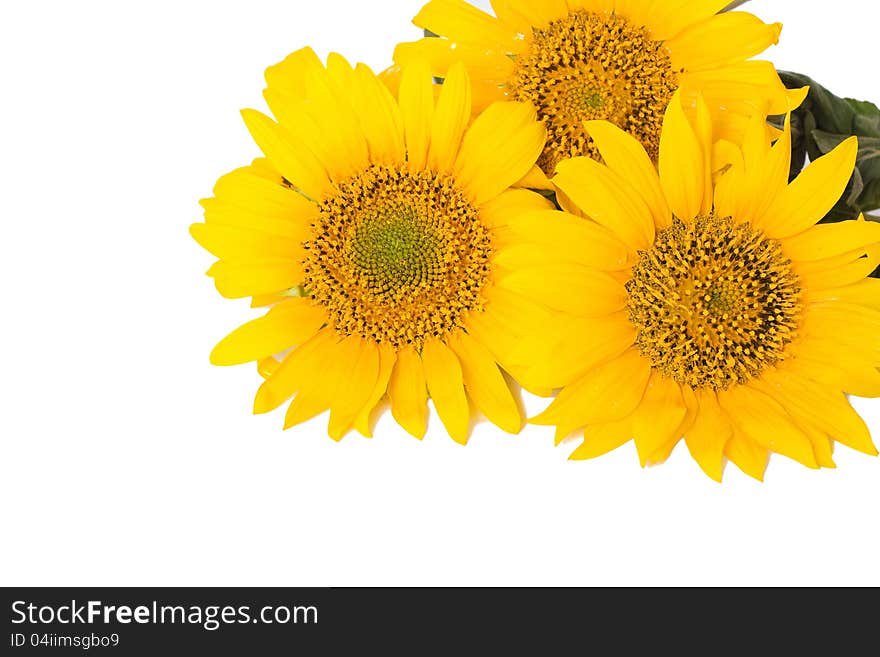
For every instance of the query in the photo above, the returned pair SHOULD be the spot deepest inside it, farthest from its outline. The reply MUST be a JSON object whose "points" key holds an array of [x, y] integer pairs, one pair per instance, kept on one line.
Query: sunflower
{"points": [[371, 229], [618, 60], [708, 305]]}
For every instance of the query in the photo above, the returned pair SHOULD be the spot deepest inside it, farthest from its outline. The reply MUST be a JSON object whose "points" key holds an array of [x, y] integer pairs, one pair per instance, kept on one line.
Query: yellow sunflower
{"points": [[618, 60], [708, 307], [371, 229]]}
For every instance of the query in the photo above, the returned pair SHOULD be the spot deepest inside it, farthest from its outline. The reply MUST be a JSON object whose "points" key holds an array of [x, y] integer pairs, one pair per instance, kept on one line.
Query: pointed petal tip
{"points": [[262, 403]]}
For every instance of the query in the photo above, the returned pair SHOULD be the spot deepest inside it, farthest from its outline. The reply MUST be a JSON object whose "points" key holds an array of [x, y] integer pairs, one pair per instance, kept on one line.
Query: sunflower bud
{"points": [[821, 123]]}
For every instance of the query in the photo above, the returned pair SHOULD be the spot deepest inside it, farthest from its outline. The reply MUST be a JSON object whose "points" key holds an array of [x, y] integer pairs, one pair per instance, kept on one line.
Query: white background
{"points": [[128, 460]]}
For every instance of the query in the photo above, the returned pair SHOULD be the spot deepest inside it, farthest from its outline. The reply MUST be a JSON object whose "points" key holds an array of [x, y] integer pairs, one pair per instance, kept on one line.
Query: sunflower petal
{"points": [[829, 240], [445, 382], [235, 280], [606, 393], [295, 163], [763, 421], [600, 439], [606, 198], [294, 370], [668, 18], [626, 157], [355, 386], [451, 118], [682, 165], [408, 393], [380, 117], [747, 456], [812, 194], [286, 324], [571, 288], [658, 416], [387, 360], [461, 21], [709, 435], [722, 39], [485, 383], [416, 98], [499, 148]]}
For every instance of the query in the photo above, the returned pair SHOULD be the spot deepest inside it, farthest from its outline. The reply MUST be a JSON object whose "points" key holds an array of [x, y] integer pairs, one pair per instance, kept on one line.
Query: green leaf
{"points": [[822, 122]]}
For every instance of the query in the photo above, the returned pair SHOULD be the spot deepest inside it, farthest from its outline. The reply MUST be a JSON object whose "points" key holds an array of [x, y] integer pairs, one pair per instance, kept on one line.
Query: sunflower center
{"points": [[594, 66], [715, 302], [397, 257]]}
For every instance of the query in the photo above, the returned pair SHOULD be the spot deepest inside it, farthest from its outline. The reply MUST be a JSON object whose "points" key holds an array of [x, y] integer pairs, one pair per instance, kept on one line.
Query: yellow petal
{"points": [[669, 18], [450, 119], [387, 360], [571, 288], [355, 386], [830, 240], [509, 325], [416, 100], [663, 450], [322, 388], [445, 382], [268, 366], [293, 161], [290, 74], [408, 393], [461, 21], [682, 165], [839, 271], [286, 324], [584, 344], [245, 244], [535, 14], [294, 370], [763, 421], [380, 118], [626, 157], [499, 148], [836, 364], [827, 409], [221, 213], [812, 194], [535, 179], [508, 12], [329, 104], [742, 89], [442, 54], [603, 438], [390, 77], [508, 205], [767, 172], [747, 456], [604, 394], [703, 131], [235, 280], [865, 292], [246, 189], [658, 416], [300, 124], [485, 383], [723, 39], [709, 435], [728, 187], [606, 198], [564, 237]]}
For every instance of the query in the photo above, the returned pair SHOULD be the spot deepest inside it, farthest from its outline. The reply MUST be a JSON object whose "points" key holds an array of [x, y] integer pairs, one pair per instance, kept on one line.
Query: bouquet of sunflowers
{"points": [[602, 202]]}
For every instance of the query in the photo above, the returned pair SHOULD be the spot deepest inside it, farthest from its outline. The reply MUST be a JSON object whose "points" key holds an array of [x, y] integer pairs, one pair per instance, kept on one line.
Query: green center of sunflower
{"points": [[594, 66], [396, 250], [397, 256], [714, 302]]}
